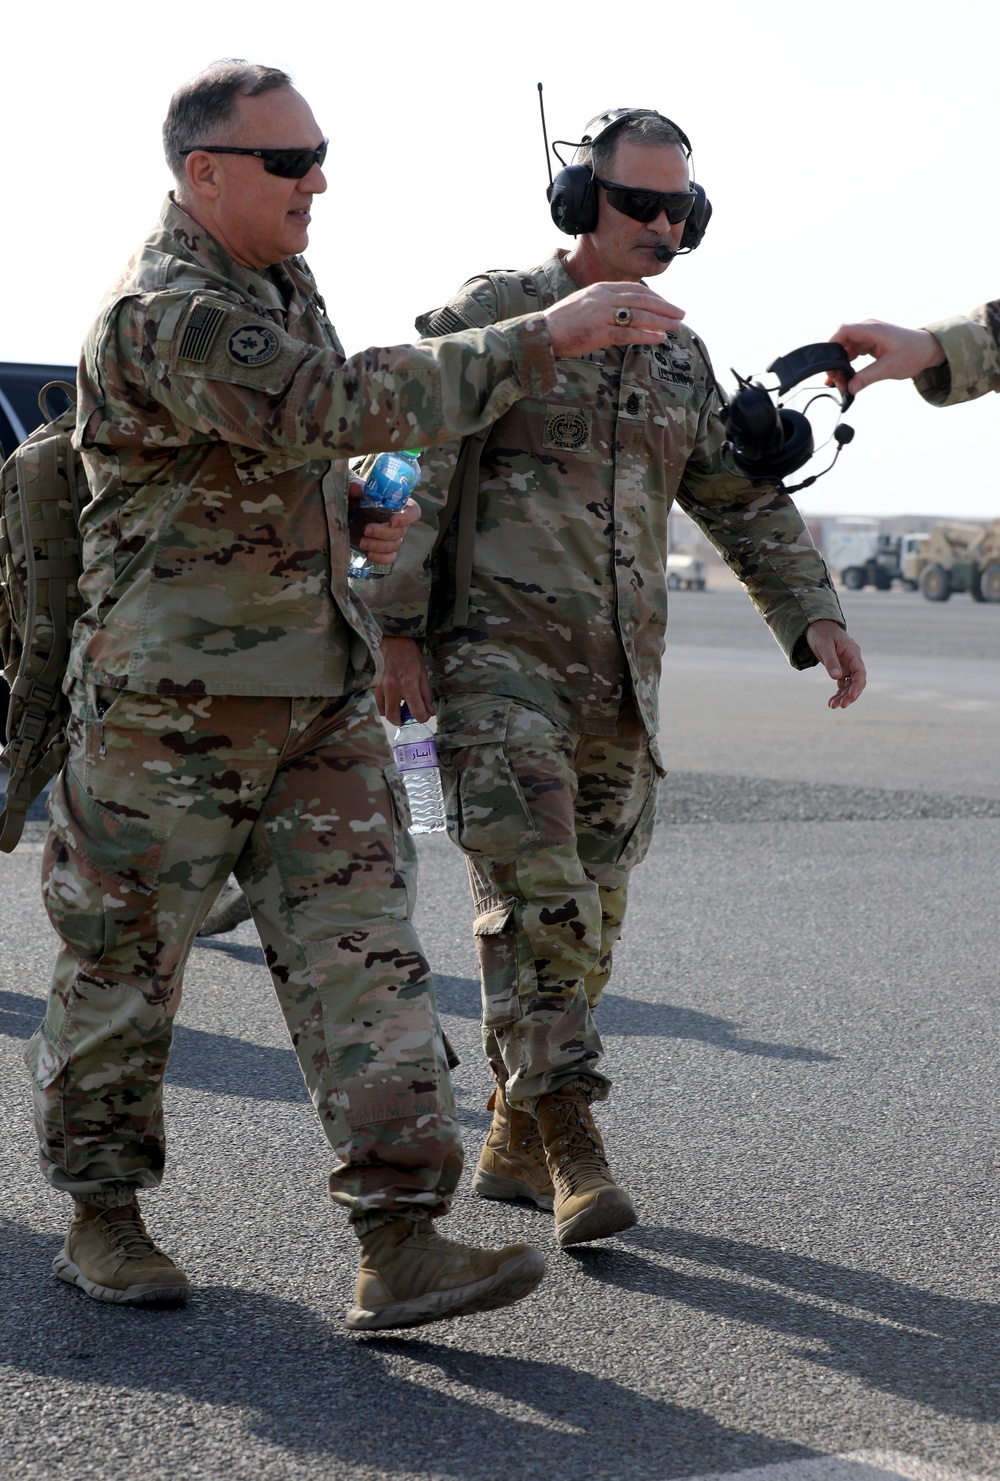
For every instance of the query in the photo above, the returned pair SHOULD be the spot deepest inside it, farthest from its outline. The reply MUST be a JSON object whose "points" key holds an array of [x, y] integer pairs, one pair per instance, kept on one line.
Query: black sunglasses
{"points": [[290, 164], [646, 205]]}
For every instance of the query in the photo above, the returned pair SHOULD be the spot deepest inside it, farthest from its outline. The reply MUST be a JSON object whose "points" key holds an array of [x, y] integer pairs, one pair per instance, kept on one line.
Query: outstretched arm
{"points": [[899, 354]]}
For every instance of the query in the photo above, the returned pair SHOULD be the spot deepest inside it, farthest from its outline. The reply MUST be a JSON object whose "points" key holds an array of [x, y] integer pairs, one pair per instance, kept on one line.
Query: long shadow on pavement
{"points": [[932, 1349], [225, 1064], [403, 1405], [618, 1014], [220, 1064]]}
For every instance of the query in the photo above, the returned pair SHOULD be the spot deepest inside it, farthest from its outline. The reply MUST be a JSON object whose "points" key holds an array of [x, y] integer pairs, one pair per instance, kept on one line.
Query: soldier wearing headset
{"points": [[535, 626]]}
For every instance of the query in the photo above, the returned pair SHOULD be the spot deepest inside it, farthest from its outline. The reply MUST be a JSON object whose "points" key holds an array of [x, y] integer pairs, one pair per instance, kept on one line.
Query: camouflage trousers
{"points": [[162, 797], [551, 822]]}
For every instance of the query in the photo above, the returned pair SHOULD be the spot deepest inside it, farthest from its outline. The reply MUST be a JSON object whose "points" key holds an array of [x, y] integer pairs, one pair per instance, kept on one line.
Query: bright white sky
{"points": [[849, 149]]}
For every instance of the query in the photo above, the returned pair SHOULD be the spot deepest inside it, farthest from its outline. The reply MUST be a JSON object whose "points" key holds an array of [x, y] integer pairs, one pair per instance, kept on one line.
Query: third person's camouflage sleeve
{"points": [[972, 368]]}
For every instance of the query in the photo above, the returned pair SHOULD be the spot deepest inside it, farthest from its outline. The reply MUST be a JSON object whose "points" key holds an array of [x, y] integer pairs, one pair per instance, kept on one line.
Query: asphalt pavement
{"points": [[802, 1029]]}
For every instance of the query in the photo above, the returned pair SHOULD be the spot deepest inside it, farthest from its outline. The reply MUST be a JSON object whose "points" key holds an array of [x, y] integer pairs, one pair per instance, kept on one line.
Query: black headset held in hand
{"points": [[573, 198], [769, 441]]}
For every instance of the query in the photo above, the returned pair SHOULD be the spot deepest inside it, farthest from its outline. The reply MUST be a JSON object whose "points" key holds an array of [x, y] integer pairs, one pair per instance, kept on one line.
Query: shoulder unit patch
{"points": [[252, 344]]}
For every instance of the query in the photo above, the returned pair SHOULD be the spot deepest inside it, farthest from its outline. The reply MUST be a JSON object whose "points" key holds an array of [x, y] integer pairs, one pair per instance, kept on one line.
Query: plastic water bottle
{"points": [[416, 757], [387, 489]]}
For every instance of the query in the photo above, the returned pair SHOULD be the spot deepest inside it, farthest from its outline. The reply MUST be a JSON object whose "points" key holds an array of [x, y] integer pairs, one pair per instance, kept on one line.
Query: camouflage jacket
{"points": [[568, 602], [973, 364], [216, 409]]}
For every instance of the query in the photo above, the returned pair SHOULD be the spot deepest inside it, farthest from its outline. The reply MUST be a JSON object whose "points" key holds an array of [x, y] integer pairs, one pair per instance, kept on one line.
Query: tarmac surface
{"points": [[802, 1028]]}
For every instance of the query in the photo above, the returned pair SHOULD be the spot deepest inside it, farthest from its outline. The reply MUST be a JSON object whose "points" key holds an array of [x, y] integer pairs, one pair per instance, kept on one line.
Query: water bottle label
{"points": [[415, 755], [390, 480]]}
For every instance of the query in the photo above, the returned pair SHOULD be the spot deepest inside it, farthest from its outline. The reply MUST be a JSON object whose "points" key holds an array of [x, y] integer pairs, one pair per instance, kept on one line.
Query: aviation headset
{"points": [[768, 441], [572, 195]]}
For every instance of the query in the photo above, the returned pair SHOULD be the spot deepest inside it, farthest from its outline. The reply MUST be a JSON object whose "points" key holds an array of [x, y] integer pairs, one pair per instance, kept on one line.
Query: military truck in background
{"points": [[861, 556], [962, 557], [988, 557], [686, 572]]}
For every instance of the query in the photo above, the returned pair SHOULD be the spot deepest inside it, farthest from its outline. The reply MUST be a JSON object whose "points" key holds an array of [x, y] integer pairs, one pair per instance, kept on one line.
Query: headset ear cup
{"points": [[765, 442], [798, 448], [697, 220], [756, 433], [573, 200]]}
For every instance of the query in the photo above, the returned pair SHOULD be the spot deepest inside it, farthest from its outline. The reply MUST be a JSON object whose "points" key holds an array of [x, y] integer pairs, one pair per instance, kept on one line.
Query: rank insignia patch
{"points": [[566, 427], [254, 344], [634, 406]]}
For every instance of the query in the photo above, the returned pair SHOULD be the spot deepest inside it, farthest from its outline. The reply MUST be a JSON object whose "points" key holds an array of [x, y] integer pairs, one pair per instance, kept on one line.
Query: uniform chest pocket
{"points": [[567, 429]]}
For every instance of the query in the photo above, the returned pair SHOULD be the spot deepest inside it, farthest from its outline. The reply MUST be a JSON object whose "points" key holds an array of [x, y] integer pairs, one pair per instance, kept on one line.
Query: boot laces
{"points": [[130, 1239], [530, 1144], [580, 1151]]}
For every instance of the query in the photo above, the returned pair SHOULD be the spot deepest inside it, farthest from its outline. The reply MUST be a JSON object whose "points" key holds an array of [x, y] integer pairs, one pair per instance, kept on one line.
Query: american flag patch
{"points": [[200, 330], [445, 321]]}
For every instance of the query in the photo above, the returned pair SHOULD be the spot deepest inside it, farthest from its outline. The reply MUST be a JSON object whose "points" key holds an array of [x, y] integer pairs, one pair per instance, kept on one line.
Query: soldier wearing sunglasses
{"points": [[536, 628], [222, 714]]}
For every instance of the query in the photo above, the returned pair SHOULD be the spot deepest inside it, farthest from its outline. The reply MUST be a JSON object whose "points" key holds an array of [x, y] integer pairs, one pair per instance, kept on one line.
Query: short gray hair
{"points": [[643, 126], [199, 109]]}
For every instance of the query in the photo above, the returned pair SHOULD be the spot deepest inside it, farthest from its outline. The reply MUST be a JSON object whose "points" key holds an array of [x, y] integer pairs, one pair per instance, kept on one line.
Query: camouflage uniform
{"points": [[222, 719], [972, 368], [548, 690]]}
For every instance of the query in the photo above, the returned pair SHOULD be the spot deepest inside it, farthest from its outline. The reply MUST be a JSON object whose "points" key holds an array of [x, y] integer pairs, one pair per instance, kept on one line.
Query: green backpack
{"points": [[43, 488]]}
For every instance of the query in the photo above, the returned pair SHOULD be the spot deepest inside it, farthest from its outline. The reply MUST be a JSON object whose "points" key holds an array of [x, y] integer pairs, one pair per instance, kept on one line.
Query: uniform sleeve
{"points": [[972, 368], [761, 536], [220, 372], [401, 600]]}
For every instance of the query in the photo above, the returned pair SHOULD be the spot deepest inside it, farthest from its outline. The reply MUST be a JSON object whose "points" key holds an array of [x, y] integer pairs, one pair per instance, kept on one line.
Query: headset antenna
{"points": [[548, 162]]}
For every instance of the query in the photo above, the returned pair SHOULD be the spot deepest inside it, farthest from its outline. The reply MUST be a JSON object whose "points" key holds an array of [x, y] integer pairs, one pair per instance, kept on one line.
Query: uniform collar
{"points": [[278, 288]]}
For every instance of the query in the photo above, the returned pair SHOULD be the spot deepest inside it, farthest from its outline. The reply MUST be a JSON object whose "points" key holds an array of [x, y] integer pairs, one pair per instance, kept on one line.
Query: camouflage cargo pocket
{"points": [[400, 798], [100, 878], [638, 841], [497, 944], [44, 1058], [487, 811]]}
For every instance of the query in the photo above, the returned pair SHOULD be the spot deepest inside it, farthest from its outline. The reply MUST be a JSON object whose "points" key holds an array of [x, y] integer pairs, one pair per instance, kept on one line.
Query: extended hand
{"points": [[900, 353], [404, 677], [585, 321], [841, 657]]}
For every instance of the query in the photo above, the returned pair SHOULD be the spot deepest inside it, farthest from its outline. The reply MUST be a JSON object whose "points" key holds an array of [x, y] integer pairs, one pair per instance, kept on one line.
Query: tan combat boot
{"points": [[512, 1163], [588, 1202], [230, 910], [409, 1274], [108, 1254]]}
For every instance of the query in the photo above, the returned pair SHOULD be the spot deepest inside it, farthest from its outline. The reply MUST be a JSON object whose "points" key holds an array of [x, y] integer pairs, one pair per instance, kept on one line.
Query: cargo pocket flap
{"points": [[115, 845], [44, 1059], [494, 922]]}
